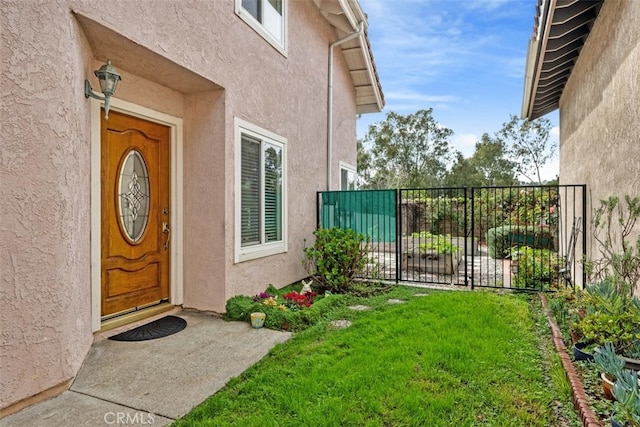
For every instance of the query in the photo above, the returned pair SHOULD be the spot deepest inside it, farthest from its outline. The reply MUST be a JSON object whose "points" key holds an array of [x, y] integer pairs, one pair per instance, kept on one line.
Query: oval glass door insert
{"points": [[133, 187]]}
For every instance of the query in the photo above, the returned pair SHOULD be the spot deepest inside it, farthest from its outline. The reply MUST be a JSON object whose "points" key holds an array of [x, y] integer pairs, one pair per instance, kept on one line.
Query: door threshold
{"points": [[136, 316]]}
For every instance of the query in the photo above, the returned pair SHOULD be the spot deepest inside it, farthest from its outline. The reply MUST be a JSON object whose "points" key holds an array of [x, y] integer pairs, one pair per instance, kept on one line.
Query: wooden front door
{"points": [[135, 213]]}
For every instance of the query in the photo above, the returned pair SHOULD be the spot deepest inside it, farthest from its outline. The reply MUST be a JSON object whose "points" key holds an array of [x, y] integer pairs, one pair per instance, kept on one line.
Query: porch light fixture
{"points": [[108, 78]]}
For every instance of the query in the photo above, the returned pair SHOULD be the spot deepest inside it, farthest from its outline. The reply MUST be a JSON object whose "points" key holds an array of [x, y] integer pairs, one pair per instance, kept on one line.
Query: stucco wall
{"points": [[193, 60], [306, 98], [44, 231], [600, 109], [206, 174]]}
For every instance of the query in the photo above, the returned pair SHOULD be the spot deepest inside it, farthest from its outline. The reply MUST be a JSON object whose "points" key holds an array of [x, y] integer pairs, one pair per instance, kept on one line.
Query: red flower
{"points": [[305, 299]]}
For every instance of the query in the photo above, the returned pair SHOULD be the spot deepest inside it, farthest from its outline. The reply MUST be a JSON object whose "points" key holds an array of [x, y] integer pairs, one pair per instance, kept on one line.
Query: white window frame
{"points": [[352, 169], [279, 45], [246, 253]]}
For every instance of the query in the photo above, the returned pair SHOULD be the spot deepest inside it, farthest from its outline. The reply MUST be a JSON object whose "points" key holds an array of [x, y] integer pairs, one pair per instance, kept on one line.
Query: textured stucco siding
{"points": [[224, 70], [44, 230], [304, 97], [600, 110]]}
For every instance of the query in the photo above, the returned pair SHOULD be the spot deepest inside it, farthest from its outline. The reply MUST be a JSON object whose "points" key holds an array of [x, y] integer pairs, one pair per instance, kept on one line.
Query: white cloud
{"points": [[463, 58], [421, 97], [549, 171], [405, 101], [465, 143]]}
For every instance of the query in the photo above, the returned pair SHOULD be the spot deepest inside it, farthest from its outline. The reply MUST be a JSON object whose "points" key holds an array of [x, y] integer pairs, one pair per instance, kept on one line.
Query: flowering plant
{"points": [[300, 300], [262, 296], [269, 300]]}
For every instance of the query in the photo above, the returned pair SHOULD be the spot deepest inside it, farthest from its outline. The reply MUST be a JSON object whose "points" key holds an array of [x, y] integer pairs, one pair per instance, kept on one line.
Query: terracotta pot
{"points": [[607, 386]]}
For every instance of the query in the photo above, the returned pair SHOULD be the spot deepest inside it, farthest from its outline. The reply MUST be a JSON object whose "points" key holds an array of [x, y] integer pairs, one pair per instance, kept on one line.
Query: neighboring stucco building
{"points": [[202, 183], [584, 59]]}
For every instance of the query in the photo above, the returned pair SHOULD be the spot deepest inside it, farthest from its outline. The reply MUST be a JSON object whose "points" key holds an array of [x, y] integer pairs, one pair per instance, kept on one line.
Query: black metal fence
{"points": [[526, 237]]}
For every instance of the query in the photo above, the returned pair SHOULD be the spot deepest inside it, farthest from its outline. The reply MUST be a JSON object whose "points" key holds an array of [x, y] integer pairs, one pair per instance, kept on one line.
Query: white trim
{"points": [[350, 168], [280, 45], [258, 251], [96, 226], [176, 179]]}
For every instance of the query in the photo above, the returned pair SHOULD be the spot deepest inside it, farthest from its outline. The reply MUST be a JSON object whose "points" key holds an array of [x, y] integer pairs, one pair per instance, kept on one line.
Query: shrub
{"points": [[536, 267], [240, 307], [501, 239], [279, 315], [336, 258], [610, 317], [436, 242]]}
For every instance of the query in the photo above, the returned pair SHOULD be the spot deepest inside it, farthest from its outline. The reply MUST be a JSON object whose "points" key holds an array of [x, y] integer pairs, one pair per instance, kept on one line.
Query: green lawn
{"points": [[449, 358]]}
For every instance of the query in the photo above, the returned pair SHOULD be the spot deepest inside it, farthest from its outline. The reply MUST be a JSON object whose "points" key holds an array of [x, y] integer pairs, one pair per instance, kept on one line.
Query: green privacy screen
{"points": [[370, 212]]}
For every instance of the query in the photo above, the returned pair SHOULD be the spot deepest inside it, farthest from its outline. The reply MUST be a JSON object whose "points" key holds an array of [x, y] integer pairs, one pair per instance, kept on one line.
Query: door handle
{"points": [[166, 230]]}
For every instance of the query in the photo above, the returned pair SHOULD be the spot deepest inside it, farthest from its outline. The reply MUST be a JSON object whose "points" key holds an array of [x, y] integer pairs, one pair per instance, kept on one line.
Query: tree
{"points": [[488, 166], [529, 145], [464, 173], [406, 151], [489, 158], [364, 165]]}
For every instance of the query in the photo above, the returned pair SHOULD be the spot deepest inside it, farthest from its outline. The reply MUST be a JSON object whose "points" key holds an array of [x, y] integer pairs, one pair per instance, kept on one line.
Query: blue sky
{"points": [[463, 58]]}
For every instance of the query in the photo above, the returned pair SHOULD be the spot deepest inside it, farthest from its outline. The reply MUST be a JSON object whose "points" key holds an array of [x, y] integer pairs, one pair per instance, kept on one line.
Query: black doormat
{"points": [[157, 329]]}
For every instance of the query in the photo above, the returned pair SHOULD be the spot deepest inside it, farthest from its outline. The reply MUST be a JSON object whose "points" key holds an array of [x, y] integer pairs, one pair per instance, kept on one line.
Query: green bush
{"points": [[336, 258], [611, 317], [240, 307], [280, 316], [501, 239], [442, 244], [537, 268]]}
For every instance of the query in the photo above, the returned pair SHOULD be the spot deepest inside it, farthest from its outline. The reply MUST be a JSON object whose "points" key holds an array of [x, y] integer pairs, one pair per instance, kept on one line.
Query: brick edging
{"points": [[579, 397]]}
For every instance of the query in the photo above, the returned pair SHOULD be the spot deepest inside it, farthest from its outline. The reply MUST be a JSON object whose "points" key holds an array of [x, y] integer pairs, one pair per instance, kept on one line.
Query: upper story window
{"points": [[266, 17], [260, 194]]}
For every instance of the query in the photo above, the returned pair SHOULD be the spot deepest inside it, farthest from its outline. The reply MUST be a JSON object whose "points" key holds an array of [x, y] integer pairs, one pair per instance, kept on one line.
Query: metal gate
{"points": [[525, 237]]}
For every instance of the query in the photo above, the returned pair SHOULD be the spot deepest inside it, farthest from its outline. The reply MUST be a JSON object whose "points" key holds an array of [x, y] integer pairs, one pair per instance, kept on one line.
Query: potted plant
{"points": [[626, 409], [610, 317], [579, 307], [432, 253], [610, 365]]}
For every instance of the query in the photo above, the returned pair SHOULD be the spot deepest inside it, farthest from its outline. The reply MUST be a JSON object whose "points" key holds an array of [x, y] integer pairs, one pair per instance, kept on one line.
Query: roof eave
{"points": [[561, 29], [345, 16]]}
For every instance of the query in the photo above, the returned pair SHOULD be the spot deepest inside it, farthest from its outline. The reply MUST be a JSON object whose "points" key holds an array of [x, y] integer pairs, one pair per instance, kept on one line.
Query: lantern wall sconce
{"points": [[108, 78]]}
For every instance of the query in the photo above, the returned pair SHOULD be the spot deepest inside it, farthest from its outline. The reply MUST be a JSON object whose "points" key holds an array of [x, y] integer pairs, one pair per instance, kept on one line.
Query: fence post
{"points": [[398, 204], [473, 230], [318, 197], [466, 249]]}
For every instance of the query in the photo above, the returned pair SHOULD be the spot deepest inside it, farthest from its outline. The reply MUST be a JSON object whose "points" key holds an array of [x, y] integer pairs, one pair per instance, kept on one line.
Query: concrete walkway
{"points": [[153, 382]]}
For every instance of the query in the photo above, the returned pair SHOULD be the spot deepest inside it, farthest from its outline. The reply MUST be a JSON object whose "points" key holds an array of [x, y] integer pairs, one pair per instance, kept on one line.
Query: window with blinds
{"points": [[272, 193], [260, 193], [250, 195]]}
